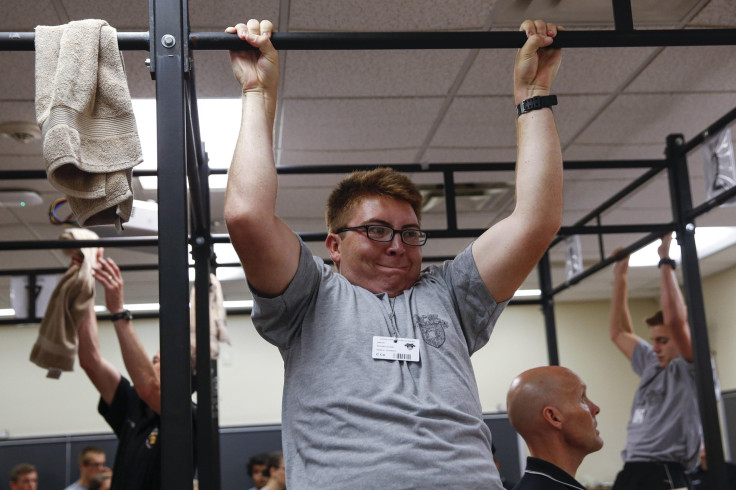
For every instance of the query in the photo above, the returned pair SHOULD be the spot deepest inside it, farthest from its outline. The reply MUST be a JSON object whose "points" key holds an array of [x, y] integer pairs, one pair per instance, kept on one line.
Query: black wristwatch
{"points": [[667, 261], [125, 314], [538, 102]]}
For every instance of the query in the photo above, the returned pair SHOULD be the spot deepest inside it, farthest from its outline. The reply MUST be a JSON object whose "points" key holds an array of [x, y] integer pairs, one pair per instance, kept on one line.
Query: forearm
{"points": [[538, 177], [620, 317], [252, 178], [674, 311], [104, 376], [138, 364]]}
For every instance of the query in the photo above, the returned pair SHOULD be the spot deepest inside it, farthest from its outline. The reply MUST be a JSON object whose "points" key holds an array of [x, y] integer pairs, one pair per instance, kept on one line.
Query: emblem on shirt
{"points": [[152, 438], [433, 329]]}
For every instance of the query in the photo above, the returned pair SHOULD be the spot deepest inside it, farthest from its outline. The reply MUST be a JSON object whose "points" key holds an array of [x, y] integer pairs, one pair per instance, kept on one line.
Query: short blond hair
{"points": [[380, 182]]}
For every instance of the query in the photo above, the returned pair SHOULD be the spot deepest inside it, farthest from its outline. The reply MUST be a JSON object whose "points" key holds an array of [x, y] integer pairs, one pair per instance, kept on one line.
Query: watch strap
{"points": [[667, 261], [125, 314], [538, 102]]}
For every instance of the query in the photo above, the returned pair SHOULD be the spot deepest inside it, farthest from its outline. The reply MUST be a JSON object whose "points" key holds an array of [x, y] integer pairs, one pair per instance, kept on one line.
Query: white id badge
{"points": [[638, 417], [393, 349]]}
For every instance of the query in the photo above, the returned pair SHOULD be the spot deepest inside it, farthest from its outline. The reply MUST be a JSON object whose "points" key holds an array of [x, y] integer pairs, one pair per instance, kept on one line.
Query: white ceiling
{"points": [[381, 107]]}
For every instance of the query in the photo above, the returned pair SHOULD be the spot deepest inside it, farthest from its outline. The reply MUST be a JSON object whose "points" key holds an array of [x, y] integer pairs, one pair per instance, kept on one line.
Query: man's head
{"points": [[548, 406], [257, 469], [24, 477], [385, 198], [662, 342], [275, 468], [91, 463]]}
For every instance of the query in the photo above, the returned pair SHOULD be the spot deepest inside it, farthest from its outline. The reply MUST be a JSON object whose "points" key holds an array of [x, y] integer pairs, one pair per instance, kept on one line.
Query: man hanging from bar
{"points": [[663, 434], [379, 389]]}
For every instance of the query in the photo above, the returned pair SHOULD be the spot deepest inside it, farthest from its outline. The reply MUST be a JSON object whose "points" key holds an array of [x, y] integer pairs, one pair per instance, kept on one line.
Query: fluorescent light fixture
{"points": [[708, 240], [219, 123], [525, 293], [6, 312]]}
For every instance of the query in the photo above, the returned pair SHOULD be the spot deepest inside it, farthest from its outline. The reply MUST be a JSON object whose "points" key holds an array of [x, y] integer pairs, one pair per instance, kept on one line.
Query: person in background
{"points": [[256, 469], [24, 477], [91, 463], [101, 481], [275, 472], [549, 407], [663, 435]]}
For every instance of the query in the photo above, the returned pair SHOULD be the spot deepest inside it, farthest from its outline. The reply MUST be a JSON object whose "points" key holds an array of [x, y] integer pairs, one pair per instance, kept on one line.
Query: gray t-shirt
{"points": [[665, 420], [76, 486], [351, 421]]}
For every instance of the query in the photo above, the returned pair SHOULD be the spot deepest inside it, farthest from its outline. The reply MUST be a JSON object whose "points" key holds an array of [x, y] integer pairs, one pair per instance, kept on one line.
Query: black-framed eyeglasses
{"points": [[380, 233]]}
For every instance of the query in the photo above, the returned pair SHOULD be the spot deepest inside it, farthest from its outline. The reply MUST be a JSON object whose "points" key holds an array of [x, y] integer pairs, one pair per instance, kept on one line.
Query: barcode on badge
{"points": [[403, 357]]}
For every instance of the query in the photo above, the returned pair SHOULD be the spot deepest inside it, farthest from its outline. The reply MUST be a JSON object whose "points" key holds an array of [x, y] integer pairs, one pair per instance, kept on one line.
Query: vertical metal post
{"points": [[681, 205], [207, 434], [177, 448], [33, 290], [450, 209], [548, 309], [622, 17]]}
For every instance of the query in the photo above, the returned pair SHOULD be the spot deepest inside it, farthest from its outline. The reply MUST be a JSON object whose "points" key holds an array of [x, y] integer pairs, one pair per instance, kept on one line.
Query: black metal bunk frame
{"points": [[171, 43]]}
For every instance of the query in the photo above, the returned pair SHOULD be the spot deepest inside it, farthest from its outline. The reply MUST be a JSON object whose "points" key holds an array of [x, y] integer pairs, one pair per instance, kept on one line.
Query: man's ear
{"points": [[553, 416], [333, 247]]}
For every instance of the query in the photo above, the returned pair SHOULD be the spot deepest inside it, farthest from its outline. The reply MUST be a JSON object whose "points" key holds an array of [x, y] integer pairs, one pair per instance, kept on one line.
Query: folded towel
{"points": [[218, 319], [56, 345], [90, 140]]}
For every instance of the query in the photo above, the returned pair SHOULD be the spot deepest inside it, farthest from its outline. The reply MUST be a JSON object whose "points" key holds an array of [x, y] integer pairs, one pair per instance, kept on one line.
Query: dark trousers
{"points": [[651, 476]]}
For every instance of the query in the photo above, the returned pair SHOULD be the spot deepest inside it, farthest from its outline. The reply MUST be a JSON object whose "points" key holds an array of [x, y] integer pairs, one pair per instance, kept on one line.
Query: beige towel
{"points": [[56, 346], [90, 140], [218, 319]]}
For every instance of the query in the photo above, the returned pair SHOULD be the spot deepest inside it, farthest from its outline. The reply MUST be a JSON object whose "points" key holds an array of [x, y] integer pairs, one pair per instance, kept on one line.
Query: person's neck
{"points": [[273, 485], [560, 457]]}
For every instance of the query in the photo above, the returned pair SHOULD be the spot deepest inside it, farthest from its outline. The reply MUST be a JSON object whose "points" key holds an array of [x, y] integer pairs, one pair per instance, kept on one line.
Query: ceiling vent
{"points": [[23, 132], [468, 197]]}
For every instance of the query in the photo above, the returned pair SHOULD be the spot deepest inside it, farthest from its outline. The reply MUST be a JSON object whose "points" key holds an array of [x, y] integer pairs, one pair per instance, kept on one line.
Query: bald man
{"points": [[548, 406]]}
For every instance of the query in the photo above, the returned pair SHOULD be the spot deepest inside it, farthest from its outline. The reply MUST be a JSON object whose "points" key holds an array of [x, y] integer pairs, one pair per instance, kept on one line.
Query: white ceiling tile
{"points": [[357, 124], [469, 155], [689, 69], [131, 15], [344, 157], [204, 16], [492, 73], [388, 15], [717, 13], [479, 122], [629, 151], [650, 118], [17, 73], [26, 15], [370, 73]]}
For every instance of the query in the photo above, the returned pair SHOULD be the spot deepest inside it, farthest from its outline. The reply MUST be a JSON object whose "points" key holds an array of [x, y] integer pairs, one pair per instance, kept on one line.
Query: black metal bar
{"points": [[622, 18], [195, 186], [177, 443], [33, 290], [681, 205], [548, 309], [711, 203], [608, 203], [24, 41], [102, 242], [721, 123], [41, 174], [450, 211], [643, 242], [467, 40], [207, 435], [601, 251]]}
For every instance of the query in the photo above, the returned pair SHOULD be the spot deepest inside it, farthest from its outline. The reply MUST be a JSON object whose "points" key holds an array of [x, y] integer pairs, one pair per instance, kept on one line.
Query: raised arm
{"points": [[268, 249], [674, 310], [104, 376], [143, 374], [620, 327], [507, 252]]}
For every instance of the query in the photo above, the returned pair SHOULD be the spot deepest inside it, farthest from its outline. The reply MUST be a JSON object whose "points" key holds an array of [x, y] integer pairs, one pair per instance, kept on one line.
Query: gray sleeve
{"points": [[641, 357], [476, 308], [278, 319]]}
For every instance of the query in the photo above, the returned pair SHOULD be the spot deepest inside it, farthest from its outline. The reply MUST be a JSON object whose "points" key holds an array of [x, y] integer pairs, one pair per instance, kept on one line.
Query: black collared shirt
{"points": [[543, 475]]}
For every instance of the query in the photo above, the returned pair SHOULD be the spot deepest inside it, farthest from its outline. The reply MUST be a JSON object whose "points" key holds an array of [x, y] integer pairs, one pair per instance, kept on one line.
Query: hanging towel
{"points": [[56, 346], [218, 319], [90, 140]]}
